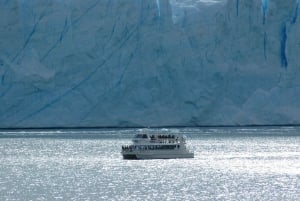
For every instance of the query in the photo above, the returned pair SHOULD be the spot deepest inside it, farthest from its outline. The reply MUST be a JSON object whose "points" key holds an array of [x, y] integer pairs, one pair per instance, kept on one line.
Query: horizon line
{"points": [[143, 127]]}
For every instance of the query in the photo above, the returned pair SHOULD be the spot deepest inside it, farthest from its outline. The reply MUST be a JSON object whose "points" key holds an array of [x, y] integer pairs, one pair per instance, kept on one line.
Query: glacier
{"points": [[147, 63]]}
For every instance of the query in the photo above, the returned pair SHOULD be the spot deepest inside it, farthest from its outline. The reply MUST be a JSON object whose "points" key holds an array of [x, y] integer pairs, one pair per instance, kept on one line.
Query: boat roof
{"points": [[163, 135]]}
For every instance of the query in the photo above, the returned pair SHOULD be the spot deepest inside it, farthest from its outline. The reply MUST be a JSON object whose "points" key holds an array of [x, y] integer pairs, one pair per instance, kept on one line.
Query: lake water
{"points": [[229, 164]]}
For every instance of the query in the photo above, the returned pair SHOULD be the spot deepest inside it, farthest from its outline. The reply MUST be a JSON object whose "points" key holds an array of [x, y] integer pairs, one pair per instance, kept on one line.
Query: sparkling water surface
{"points": [[229, 164]]}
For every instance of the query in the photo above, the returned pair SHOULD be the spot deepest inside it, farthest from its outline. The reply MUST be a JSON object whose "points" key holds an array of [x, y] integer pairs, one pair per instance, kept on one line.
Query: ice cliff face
{"points": [[149, 63]]}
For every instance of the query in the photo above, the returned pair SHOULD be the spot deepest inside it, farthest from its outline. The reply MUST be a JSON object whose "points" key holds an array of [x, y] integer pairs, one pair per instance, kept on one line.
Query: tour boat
{"points": [[157, 146]]}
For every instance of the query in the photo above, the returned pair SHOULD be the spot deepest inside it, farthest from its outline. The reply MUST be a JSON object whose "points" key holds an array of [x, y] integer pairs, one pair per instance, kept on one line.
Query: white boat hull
{"points": [[156, 154]]}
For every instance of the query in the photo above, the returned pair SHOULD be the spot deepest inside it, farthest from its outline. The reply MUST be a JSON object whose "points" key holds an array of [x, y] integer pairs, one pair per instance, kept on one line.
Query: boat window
{"points": [[141, 136]]}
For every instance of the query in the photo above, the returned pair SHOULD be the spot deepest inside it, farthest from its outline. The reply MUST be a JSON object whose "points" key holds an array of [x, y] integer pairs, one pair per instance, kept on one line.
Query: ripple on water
{"points": [[233, 167]]}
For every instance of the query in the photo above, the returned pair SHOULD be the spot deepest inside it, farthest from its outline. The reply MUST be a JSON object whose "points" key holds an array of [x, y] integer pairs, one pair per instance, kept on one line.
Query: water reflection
{"points": [[227, 166]]}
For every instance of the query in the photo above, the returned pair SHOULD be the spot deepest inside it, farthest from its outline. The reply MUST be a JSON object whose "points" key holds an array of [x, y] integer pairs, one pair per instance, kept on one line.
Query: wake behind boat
{"points": [[157, 146]]}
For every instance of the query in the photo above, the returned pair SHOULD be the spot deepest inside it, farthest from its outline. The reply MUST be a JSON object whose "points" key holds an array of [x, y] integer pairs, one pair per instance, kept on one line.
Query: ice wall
{"points": [[149, 63]]}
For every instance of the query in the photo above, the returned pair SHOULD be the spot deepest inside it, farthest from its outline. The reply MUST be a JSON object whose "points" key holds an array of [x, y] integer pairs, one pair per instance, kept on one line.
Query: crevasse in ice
{"points": [[149, 63]]}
